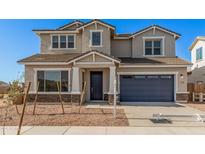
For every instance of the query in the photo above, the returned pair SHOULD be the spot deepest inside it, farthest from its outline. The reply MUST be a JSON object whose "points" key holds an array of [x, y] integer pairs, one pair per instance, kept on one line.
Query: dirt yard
{"points": [[196, 105], [51, 115]]}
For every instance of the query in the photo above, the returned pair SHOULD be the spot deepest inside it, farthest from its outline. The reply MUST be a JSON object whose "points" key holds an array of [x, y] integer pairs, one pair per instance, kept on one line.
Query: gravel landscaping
{"points": [[51, 115], [196, 105]]}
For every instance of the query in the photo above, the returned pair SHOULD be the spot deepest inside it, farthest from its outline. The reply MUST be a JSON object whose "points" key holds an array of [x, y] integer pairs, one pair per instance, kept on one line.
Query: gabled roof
{"points": [[177, 35], [95, 52], [81, 25], [96, 21], [78, 22], [198, 38]]}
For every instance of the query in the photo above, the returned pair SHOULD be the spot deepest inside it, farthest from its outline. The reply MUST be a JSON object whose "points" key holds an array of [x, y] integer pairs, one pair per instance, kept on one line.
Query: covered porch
{"points": [[97, 72]]}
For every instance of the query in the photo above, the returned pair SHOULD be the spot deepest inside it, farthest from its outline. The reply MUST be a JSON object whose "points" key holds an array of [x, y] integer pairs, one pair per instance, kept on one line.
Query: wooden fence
{"points": [[195, 88]]}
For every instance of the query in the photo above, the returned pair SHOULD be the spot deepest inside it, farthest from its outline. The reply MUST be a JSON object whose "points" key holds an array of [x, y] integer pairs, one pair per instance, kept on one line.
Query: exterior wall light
{"points": [[181, 76]]}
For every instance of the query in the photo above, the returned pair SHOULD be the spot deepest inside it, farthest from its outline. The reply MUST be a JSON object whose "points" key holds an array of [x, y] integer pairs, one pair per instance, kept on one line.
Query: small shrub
{"points": [[15, 93]]}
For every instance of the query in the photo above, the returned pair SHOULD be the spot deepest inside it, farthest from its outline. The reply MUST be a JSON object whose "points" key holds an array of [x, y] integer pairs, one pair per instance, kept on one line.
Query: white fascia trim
{"points": [[107, 57], [138, 66], [155, 28], [93, 52], [140, 32], [43, 63], [167, 31], [98, 22], [146, 73], [74, 23], [56, 32], [93, 63], [76, 59]]}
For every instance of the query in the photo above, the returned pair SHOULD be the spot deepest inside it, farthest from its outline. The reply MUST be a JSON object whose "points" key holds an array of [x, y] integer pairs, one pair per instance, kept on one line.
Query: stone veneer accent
{"points": [[182, 97], [111, 99], [105, 98], [55, 98]]}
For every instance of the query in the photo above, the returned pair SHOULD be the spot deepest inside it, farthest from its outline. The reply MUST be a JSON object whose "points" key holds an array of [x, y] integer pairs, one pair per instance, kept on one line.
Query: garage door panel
{"points": [[152, 88]]}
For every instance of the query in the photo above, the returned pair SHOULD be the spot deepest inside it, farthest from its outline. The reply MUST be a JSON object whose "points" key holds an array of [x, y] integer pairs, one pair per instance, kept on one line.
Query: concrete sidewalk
{"points": [[76, 130]]}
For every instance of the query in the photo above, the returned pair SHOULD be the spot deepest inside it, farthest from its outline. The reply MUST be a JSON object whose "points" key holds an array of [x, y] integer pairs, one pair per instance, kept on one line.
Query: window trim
{"points": [[51, 46], [198, 60], [52, 69], [52, 41], [90, 44], [153, 38], [65, 41]]}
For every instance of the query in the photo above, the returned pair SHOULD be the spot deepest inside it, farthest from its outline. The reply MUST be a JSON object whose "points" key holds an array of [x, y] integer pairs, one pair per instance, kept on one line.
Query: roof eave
{"points": [[96, 21], [38, 32], [42, 63], [176, 35], [70, 24], [152, 65], [195, 41]]}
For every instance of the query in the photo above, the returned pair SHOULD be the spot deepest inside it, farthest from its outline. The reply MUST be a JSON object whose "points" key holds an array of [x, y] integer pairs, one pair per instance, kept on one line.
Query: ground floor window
{"points": [[48, 81]]}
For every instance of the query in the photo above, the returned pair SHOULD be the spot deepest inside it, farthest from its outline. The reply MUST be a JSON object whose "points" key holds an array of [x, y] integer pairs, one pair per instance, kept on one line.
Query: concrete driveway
{"points": [[140, 115]]}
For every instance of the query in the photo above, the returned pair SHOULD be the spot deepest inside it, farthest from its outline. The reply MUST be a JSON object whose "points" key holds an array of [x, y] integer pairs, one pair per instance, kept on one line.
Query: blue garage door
{"points": [[147, 88]]}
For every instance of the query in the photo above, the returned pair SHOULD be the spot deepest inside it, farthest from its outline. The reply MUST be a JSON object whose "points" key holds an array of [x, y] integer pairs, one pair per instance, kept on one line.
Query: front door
{"points": [[96, 85]]}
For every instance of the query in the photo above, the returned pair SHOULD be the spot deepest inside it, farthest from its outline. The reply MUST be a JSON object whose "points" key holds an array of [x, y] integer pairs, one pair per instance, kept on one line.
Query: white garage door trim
{"points": [[151, 73]]}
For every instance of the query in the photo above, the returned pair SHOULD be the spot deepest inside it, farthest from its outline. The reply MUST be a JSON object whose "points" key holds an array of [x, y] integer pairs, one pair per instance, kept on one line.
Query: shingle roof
{"points": [[59, 57], [139, 61], [49, 58], [35, 30], [75, 21], [155, 61], [98, 21]]}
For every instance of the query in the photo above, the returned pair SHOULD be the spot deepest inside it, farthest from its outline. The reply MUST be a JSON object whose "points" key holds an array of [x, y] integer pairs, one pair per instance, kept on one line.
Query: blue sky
{"points": [[18, 41]]}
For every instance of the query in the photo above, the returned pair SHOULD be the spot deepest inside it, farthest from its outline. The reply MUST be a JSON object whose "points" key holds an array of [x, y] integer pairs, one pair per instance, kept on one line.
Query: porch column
{"points": [[112, 78], [75, 80]]}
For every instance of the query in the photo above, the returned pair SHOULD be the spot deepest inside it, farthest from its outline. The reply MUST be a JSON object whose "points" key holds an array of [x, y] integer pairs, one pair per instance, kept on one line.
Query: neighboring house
{"points": [[4, 87], [197, 71], [144, 64]]}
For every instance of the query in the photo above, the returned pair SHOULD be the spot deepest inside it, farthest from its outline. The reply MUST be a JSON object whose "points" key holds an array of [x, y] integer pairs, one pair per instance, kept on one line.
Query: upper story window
{"points": [[54, 41], [71, 40], [153, 46], [199, 54], [96, 38], [63, 41]]}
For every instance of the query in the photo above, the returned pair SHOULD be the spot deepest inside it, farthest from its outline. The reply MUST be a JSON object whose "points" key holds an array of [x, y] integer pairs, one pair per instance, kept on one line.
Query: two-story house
{"points": [[197, 71], [144, 64]]}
